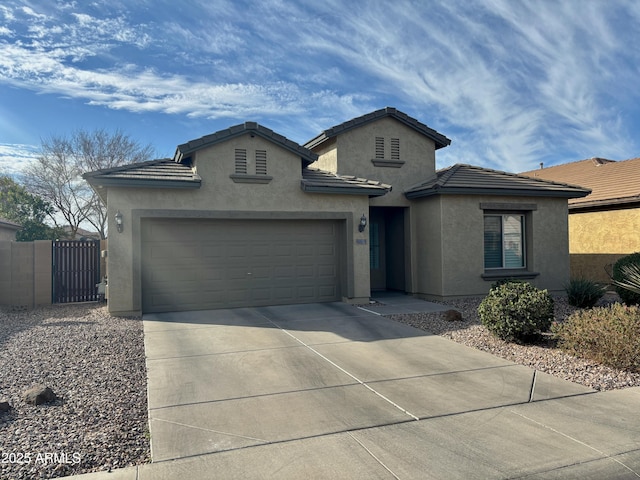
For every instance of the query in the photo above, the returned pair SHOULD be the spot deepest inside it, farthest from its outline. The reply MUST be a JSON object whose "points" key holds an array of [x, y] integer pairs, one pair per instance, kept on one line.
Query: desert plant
{"points": [[619, 276], [631, 274], [609, 335], [516, 311], [584, 293]]}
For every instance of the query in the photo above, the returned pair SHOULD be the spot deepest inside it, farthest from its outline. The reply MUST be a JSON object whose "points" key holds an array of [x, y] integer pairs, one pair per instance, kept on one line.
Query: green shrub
{"points": [[621, 270], [504, 281], [583, 293], [609, 335], [516, 311]]}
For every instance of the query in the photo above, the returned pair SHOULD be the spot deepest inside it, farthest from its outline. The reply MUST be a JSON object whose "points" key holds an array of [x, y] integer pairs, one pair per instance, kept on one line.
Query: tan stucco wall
{"points": [[614, 231], [459, 252], [355, 149], [218, 195], [426, 215], [598, 239], [25, 273]]}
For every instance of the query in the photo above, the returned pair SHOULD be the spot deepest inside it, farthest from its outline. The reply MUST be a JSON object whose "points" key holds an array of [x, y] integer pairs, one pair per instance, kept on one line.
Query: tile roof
{"points": [[154, 173], [320, 181], [471, 180], [253, 128], [611, 182], [439, 139]]}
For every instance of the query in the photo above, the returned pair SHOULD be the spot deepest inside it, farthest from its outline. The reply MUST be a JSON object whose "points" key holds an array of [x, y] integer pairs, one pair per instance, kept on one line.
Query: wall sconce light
{"points": [[119, 221], [363, 223]]}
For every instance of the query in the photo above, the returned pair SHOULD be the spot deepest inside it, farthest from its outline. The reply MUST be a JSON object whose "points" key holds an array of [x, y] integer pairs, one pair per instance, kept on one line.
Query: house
{"points": [[8, 229], [80, 234], [247, 217], [604, 225]]}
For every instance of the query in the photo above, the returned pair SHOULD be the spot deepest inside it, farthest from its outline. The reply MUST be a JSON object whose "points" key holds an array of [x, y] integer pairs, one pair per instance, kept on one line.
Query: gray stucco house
{"points": [[247, 217]]}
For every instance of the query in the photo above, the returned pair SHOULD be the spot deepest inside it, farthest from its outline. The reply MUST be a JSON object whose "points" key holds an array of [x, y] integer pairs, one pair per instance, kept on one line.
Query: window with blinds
{"points": [[504, 241]]}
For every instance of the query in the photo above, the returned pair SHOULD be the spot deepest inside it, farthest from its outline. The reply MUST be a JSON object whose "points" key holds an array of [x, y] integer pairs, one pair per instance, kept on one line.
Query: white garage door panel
{"points": [[201, 264]]}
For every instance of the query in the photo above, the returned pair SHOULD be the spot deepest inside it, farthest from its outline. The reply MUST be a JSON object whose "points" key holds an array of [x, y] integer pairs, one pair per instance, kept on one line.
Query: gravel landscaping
{"points": [[95, 364], [543, 356]]}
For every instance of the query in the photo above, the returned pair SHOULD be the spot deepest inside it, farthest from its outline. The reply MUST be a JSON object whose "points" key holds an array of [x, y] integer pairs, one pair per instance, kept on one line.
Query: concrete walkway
{"points": [[334, 391]]}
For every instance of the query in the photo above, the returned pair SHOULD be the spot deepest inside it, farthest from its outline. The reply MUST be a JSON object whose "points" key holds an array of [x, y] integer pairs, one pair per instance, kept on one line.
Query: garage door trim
{"points": [[347, 269]]}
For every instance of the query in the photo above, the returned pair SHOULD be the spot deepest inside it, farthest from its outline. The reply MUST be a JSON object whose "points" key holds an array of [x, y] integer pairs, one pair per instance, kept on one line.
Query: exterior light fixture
{"points": [[119, 221], [363, 223]]}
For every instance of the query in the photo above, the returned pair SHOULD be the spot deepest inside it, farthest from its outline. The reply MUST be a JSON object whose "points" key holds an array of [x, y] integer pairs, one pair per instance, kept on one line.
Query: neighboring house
{"points": [[246, 217], [81, 234], [604, 225], [8, 229]]}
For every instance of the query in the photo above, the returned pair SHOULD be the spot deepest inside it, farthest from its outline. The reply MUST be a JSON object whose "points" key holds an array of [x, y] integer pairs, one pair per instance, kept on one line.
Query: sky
{"points": [[512, 83]]}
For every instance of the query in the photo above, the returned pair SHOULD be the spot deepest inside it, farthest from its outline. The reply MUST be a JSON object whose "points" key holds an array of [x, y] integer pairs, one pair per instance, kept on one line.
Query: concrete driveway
{"points": [[333, 391]]}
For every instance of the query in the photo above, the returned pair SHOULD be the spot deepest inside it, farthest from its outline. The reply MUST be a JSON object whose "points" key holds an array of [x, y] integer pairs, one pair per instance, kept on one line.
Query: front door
{"points": [[387, 248], [377, 250]]}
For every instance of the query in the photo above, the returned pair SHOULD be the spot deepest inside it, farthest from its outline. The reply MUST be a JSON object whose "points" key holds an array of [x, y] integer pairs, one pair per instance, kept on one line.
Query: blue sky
{"points": [[511, 83]]}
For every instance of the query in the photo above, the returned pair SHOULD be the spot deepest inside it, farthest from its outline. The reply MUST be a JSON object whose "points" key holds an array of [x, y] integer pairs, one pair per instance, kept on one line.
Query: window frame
{"points": [[503, 241], [516, 208]]}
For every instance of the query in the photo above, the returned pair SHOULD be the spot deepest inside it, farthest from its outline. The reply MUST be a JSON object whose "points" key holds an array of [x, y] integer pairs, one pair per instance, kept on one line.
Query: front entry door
{"points": [[387, 248], [377, 256]]}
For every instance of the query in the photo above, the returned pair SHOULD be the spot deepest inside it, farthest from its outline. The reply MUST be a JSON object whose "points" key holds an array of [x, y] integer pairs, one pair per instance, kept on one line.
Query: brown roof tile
{"points": [[611, 182], [156, 173], [472, 180], [320, 181]]}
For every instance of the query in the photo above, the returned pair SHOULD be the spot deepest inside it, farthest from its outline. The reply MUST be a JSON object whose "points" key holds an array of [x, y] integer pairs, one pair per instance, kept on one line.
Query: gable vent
{"points": [[261, 162], [379, 147], [395, 149], [241, 160]]}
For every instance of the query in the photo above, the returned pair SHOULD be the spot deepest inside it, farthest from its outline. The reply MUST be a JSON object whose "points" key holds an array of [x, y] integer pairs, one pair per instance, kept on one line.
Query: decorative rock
{"points": [[38, 395], [4, 406], [452, 316]]}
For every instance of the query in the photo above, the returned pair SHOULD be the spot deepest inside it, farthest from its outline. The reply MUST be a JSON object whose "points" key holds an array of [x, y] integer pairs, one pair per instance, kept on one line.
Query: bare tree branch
{"points": [[57, 173]]}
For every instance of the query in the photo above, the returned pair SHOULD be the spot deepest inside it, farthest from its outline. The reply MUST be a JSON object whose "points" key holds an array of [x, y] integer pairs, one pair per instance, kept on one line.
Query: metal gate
{"points": [[76, 270]]}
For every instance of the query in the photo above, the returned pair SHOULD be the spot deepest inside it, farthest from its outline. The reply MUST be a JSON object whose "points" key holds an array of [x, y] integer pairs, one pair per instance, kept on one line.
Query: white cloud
{"points": [[14, 158], [512, 83]]}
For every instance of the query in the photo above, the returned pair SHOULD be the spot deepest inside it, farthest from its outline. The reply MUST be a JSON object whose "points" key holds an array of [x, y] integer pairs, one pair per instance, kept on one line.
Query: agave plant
{"points": [[631, 275]]}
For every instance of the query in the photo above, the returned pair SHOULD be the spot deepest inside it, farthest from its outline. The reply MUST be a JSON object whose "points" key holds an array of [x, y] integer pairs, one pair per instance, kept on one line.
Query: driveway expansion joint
{"points": [[364, 384]]}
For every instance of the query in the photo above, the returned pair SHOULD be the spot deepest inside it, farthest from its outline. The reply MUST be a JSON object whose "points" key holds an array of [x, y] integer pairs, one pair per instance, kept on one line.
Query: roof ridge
{"points": [[191, 146], [439, 139], [574, 162]]}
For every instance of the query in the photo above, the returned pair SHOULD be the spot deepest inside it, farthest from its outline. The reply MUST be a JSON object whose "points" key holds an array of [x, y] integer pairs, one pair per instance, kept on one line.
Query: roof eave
{"points": [[604, 203], [334, 190], [139, 183], [428, 192]]}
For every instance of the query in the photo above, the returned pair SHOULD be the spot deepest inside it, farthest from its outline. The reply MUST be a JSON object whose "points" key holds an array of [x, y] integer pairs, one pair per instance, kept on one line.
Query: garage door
{"points": [[204, 264]]}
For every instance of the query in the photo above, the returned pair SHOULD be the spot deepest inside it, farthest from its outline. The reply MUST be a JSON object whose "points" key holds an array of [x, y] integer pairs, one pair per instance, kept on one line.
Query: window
{"points": [[241, 161], [504, 241]]}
